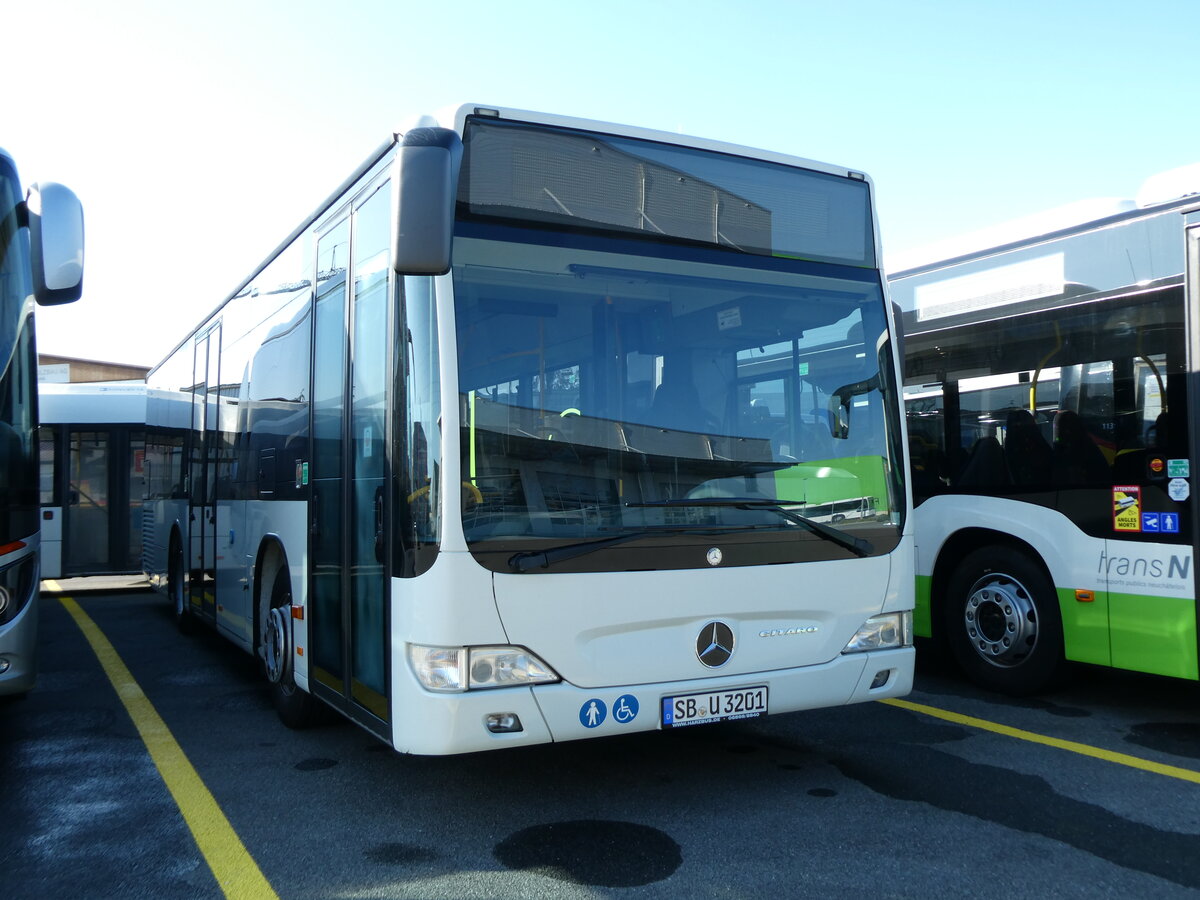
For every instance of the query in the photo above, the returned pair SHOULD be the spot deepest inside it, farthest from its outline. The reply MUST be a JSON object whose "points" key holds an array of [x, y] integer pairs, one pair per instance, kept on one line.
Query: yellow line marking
{"points": [[235, 870], [1123, 759]]}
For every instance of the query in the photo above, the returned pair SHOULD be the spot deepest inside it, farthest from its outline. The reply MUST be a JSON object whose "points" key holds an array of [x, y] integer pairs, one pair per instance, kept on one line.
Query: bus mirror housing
{"points": [[55, 243], [839, 404], [426, 188]]}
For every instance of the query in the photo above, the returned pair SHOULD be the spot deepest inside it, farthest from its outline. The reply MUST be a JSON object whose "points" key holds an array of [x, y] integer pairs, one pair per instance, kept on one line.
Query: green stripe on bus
{"points": [[1085, 627], [1153, 634]]}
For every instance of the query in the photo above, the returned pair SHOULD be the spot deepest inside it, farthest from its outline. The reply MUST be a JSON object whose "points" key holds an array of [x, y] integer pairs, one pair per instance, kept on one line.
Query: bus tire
{"points": [[177, 589], [296, 708], [1001, 620]]}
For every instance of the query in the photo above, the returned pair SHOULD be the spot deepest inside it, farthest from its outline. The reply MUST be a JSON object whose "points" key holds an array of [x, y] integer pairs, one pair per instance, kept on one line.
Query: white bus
{"points": [[512, 440], [92, 450], [41, 257], [1050, 385]]}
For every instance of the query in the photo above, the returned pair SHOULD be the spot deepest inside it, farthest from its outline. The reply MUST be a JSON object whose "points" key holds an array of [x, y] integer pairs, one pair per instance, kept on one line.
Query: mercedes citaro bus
{"points": [[532, 432]]}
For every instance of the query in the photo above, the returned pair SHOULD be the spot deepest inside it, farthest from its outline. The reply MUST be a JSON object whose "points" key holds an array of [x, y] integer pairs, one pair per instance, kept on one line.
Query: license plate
{"points": [[714, 706]]}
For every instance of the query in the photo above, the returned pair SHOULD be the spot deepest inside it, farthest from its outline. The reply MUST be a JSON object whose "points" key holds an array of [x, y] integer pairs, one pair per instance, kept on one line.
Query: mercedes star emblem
{"points": [[714, 645], [714, 556]]}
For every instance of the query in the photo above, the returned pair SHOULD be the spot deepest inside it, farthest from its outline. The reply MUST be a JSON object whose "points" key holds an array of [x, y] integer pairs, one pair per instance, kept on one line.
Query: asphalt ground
{"points": [[1091, 791]]}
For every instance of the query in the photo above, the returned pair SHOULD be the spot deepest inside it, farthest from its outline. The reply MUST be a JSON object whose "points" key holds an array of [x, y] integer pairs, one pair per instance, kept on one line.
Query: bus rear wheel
{"points": [[177, 589], [1002, 622], [296, 708]]}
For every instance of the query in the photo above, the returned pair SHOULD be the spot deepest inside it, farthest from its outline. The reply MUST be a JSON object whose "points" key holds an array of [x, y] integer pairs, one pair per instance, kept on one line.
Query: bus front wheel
{"points": [[296, 708], [1002, 622]]}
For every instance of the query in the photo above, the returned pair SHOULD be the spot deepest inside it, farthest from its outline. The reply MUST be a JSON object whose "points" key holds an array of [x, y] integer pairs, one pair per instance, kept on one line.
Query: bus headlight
{"points": [[507, 666], [455, 669], [439, 668], [886, 632]]}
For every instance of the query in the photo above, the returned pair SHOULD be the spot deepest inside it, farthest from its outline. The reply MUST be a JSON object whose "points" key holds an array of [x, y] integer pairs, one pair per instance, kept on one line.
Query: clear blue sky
{"points": [[198, 136]]}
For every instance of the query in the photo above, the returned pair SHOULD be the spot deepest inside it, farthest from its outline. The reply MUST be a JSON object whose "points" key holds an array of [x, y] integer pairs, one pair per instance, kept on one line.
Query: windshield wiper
{"points": [[541, 559], [855, 545]]}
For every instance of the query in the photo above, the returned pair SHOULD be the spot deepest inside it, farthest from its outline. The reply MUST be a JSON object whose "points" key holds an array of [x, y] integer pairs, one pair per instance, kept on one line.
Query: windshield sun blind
{"points": [[596, 182]]}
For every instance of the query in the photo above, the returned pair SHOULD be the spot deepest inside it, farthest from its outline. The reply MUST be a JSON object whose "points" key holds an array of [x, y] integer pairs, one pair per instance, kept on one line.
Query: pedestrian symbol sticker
{"points": [[592, 713], [1169, 523], [1127, 507], [625, 709]]}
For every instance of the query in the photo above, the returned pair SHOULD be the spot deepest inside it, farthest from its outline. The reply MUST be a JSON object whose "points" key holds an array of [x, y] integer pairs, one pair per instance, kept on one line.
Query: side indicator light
{"points": [[1085, 596], [298, 612]]}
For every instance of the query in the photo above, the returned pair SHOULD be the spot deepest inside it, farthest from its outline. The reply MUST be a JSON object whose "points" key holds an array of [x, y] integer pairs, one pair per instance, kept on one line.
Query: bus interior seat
{"points": [[677, 406], [816, 442], [1029, 457], [1077, 458], [984, 466], [1130, 464]]}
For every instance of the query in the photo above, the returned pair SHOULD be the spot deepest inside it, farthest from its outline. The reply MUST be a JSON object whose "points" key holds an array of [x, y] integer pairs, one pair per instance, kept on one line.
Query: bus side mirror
{"points": [[425, 178], [55, 243]]}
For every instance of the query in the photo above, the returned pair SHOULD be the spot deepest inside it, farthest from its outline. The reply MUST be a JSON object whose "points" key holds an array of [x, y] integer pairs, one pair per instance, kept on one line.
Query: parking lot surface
{"points": [[1093, 790]]}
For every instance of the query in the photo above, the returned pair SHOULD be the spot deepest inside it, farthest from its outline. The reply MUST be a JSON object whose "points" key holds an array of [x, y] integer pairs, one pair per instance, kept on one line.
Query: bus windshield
{"points": [[602, 388]]}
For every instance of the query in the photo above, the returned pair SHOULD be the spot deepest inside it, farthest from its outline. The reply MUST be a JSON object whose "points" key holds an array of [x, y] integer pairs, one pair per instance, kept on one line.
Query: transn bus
{"points": [[1050, 382], [515, 440]]}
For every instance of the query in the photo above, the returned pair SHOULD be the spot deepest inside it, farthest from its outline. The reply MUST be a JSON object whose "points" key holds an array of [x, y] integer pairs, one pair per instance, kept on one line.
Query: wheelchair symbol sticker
{"points": [[625, 710]]}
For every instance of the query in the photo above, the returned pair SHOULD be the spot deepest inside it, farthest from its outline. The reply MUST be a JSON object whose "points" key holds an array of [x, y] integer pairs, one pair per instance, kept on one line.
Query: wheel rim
{"points": [[275, 654], [176, 580], [1001, 620]]}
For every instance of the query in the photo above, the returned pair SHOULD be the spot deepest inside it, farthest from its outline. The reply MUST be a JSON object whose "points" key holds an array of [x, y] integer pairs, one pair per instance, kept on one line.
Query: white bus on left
{"points": [[41, 258]]}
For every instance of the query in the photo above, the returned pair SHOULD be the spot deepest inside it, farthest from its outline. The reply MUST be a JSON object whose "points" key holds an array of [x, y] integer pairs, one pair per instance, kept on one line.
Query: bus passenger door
{"points": [[325, 628], [51, 467], [201, 505], [348, 634]]}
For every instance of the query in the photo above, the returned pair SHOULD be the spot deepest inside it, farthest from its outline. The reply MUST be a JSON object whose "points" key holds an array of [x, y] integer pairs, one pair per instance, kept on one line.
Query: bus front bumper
{"points": [[436, 724], [18, 651]]}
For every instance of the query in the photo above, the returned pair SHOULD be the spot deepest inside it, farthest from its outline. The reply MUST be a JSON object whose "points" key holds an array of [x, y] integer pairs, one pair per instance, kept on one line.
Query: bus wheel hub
{"points": [[1001, 620], [275, 648]]}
